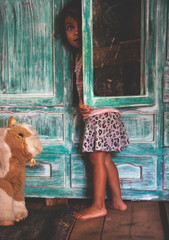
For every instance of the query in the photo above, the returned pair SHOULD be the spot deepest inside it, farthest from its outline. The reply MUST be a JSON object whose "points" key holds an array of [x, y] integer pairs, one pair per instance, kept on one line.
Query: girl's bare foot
{"points": [[6, 223], [91, 212], [120, 205]]}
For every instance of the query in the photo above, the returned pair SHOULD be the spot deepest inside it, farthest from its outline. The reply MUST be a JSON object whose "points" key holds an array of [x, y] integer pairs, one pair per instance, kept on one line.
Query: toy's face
{"points": [[34, 145], [23, 141]]}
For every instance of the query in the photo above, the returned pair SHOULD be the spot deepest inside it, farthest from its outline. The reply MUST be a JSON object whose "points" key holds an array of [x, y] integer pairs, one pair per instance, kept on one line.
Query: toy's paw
{"points": [[6, 223], [21, 216], [20, 210], [19, 219]]}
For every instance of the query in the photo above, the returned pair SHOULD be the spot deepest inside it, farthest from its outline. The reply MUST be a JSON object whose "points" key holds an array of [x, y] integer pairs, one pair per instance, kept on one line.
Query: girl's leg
{"points": [[113, 180], [97, 160]]}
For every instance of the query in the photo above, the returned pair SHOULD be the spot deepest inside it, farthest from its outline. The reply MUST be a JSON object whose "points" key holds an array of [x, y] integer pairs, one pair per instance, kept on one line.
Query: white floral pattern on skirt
{"points": [[104, 132]]}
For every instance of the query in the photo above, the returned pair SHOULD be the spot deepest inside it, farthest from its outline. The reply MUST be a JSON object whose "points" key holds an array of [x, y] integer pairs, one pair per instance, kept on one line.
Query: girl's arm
{"points": [[84, 109]]}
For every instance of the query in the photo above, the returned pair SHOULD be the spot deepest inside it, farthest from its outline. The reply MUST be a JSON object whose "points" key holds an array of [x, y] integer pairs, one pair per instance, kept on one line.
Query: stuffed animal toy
{"points": [[18, 145]]}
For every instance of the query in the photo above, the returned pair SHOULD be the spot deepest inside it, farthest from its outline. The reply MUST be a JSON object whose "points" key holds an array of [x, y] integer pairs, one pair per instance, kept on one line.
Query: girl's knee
{"points": [[93, 161], [108, 159], [97, 158]]}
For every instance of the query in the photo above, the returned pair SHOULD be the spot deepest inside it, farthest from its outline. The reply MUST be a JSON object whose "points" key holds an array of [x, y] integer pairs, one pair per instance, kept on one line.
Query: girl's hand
{"points": [[84, 110]]}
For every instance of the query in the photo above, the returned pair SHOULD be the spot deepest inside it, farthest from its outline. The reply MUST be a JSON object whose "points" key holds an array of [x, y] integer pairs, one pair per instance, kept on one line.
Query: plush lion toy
{"points": [[18, 145]]}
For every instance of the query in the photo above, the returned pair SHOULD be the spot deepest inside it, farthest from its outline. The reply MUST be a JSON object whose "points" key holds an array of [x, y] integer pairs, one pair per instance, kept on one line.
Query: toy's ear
{"points": [[11, 121]]}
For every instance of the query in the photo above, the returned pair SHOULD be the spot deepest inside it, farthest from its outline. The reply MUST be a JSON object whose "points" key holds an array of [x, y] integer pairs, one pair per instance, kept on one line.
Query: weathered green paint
{"points": [[36, 87], [166, 84], [28, 55], [148, 54], [49, 172], [135, 172]]}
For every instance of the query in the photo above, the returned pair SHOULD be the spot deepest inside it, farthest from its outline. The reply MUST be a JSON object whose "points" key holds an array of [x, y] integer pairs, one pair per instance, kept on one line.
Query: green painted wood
{"points": [[166, 84], [40, 170], [148, 54], [135, 172], [50, 126], [84, 193], [139, 126], [78, 125], [166, 129], [48, 172], [167, 36], [166, 173], [27, 54], [85, 229], [144, 175], [130, 172]]}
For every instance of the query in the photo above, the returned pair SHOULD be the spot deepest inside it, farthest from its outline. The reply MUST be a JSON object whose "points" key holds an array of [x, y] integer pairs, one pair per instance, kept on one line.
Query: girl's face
{"points": [[73, 33]]}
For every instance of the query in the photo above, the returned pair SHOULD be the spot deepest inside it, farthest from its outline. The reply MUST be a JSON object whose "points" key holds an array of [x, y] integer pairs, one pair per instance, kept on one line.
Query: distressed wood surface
{"points": [[167, 212], [142, 220], [135, 173], [27, 53], [148, 55], [48, 172], [90, 229], [31, 49]]}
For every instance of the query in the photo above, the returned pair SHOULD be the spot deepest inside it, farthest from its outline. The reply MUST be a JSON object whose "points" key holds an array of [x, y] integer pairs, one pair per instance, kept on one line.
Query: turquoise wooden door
{"points": [[143, 166], [36, 86]]}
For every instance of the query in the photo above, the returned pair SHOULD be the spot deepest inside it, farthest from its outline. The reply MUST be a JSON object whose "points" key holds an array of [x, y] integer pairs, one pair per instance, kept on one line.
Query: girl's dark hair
{"points": [[72, 9]]}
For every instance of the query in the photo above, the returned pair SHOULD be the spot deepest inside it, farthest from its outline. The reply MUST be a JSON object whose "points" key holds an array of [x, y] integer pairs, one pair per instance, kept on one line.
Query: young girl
{"points": [[104, 131]]}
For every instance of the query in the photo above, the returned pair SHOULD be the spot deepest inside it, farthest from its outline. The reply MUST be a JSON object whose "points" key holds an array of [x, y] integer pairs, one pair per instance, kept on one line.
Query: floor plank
{"points": [[165, 218], [87, 229], [140, 220], [147, 219], [118, 224], [167, 211]]}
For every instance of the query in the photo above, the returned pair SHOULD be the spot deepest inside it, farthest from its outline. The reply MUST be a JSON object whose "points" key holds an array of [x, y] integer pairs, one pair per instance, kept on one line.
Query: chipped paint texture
{"points": [[27, 54], [26, 48]]}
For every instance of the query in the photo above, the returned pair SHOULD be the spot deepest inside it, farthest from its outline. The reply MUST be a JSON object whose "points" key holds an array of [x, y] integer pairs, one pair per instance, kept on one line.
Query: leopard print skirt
{"points": [[104, 132]]}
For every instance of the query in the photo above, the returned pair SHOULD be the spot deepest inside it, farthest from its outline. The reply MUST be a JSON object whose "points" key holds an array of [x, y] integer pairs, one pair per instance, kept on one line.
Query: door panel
{"points": [[166, 84], [135, 172], [140, 126], [27, 55], [50, 126], [118, 47], [166, 173], [48, 172]]}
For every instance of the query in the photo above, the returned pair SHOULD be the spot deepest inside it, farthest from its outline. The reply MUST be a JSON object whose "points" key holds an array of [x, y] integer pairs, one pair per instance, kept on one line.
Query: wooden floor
{"points": [[142, 220], [44, 222]]}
